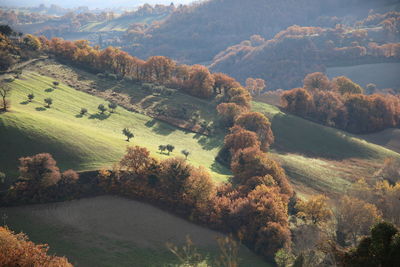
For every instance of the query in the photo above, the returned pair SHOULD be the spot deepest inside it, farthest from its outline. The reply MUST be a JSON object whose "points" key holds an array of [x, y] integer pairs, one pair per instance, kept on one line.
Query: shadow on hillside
{"points": [[26, 102], [99, 116], [219, 168], [300, 136], [160, 128], [208, 143], [40, 109], [150, 123], [78, 116], [49, 90]]}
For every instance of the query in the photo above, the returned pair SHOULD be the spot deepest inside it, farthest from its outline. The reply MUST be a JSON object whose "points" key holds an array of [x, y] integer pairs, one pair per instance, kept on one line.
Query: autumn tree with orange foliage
{"points": [[228, 112], [316, 80], [17, 250], [137, 160], [355, 217], [315, 210], [258, 123], [239, 138]]}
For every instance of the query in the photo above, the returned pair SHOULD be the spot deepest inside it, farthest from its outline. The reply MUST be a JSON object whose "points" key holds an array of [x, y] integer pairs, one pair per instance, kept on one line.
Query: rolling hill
{"points": [[113, 231], [91, 141]]}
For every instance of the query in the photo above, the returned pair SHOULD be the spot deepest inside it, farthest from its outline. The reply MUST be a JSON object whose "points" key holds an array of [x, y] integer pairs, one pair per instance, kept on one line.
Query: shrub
{"points": [[31, 97], [102, 108], [48, 101], [83, 111]]}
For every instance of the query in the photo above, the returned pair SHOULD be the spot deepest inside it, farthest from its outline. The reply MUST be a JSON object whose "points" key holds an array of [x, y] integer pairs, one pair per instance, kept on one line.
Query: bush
{"points": [[83, 111]]}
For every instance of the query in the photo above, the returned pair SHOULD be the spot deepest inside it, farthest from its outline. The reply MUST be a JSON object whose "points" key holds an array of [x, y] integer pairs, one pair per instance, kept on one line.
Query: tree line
{"points": [[341, 103]]}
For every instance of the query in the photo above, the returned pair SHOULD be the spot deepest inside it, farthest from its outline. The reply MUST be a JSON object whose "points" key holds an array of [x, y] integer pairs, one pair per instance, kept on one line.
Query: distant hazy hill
{"points": [[89, 3], [197, 33]]}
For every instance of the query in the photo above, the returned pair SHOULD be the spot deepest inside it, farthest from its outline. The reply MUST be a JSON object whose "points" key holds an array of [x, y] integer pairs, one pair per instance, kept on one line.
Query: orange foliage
{"points": [[258, 123], [17, 250]]}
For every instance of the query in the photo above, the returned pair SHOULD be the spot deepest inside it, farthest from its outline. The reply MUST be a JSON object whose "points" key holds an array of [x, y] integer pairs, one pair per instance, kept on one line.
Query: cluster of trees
{"points": [[195, 80], [40, 180], [17, 250], [285, 59], [341, 103], [253, 206]]}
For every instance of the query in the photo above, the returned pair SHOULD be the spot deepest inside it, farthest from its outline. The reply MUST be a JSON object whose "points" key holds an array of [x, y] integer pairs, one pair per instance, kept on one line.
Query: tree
{"points": [[32, 42], [258, 123], [315, 209], [112, 106], [102, 108], [17, 250], [55, 84], [201, 82], [83, 111], [228, 112], [298, 101], [5, 92], [6, 30], [162, 148], [48, 101], [381, 248], [346, 86], [40, 169], [186, 153], [199, 187], [316, 81], [170, 148], [31, 96], [240, 138], [127, 132], [137, 160], [355, 217]]}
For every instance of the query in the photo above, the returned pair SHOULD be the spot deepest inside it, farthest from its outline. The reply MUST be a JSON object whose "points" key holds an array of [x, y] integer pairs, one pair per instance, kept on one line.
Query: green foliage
{"points": [[186, 153], [83, 111], [170, 148], [48, 101], [31, 96], [112, 106], [128, 133], [101, 108]]}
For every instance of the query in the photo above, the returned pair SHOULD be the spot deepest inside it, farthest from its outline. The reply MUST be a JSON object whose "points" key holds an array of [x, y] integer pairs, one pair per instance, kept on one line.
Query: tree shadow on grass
{"points": [[219, 168], [160, 128], [40, 109], [78, 115], [49, 90], [209, 143], [26, 102], [99, 116]]}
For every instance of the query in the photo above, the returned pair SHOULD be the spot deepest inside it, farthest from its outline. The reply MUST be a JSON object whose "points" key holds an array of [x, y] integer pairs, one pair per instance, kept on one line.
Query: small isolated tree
{"points": [[371, 88], [55, 84], [127, 132], [112, 106], [31, 96], [83, 111], [48, 101], [186, 153], [170, 148], [162, 148], [5, 92], [137, 160], [102, 108]]}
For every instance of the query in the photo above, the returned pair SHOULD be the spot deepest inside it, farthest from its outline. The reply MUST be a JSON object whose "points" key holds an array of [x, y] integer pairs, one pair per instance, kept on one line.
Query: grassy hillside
{"points": [[91, 141], [320, 159], [384, 75], [113, 231]]}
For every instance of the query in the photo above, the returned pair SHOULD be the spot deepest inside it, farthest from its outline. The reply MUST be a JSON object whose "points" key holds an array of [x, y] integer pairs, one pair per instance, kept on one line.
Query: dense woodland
{"points": [[341, 103], [296, 51], [196, 33]]}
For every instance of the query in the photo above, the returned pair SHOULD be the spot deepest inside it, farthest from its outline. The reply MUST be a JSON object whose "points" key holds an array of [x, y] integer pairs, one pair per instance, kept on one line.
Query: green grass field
{"points": [[321, 159], [91, 141], [111, 231]]}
